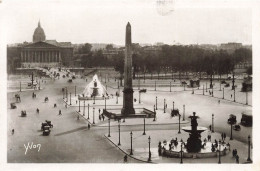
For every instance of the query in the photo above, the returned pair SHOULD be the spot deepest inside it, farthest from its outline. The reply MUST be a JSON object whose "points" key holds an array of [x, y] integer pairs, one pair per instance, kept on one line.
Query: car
{"points": [[70, 81], [142, 91], [232, 119], [23, 113], [227, 85], [13, 105], [246, 119], [237, 127], [46, 132]]}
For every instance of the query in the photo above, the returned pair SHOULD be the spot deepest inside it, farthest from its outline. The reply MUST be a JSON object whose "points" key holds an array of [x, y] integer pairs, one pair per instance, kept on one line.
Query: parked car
{"points": [[246, 119], [142, 91]]}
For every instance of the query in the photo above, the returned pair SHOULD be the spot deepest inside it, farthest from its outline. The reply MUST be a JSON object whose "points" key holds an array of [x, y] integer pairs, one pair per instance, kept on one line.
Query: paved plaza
{"points": [[70, 139]]}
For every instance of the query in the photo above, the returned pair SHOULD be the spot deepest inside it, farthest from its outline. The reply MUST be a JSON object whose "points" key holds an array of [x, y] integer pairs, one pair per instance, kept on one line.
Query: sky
{"points": [[104, 21]]}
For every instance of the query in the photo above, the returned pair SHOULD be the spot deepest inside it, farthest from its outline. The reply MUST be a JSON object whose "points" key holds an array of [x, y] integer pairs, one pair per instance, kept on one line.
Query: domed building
{"points": [[39, 35], [40, 52]]}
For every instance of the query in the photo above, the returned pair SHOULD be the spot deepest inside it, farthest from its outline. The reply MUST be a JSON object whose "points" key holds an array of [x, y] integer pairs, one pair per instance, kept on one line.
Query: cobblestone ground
{"points": [[71, 141]]}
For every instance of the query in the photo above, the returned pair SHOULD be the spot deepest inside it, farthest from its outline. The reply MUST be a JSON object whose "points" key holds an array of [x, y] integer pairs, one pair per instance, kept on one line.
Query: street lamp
{"points": [[181, 153], [203, 89], [164, 106], [170, 86], [249, 146], [219, 161], [173, 105], [179, 124], [131, 134], [144, 127], [79, 105], [231, 136], [154, 116], [119, 131], [84, 108], [75, 90], [63, 93], [183, 113], [88, 110], [246, 98], [94, 100], [212, 123], [109, 127], [212, 92], [220, 86], [206, 87], [149, 142], [156, 104], [93, 115], [139, 97], [20, 86], [117, 98], [223, 93], [234, 94], [70, 98], [155, 85]]}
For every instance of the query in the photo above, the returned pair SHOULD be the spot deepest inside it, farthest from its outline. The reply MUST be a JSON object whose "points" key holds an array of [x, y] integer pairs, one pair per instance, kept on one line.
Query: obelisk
{"points": [[128, 107]]}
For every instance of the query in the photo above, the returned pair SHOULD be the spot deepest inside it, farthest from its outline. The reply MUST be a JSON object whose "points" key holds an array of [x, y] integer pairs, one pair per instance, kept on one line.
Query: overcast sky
{"points": [[105, 21]]}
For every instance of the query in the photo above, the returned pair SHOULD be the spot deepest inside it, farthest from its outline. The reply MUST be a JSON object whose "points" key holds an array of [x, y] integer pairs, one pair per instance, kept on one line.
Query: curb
{"points": [[127, 153]]}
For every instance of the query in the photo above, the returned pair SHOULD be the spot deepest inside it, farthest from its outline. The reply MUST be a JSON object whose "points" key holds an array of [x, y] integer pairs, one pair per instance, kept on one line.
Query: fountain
{"points": [[194, 143], [94, 90]]}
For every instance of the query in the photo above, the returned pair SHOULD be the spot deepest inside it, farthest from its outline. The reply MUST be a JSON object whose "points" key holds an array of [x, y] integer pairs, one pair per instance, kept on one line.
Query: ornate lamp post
{"points": [[93, 115], [84, 108], [212, 123], [88, 110], [246, 98], [156, 104], [79, 105], [131, 134], [164, 106], [173, 105], [170, 86], [219, 161], [119, 132], [183, 113], [154, 116], [149, 142], [203, 89], [94, 102], [212, 92], [223, 93], [231, 125], [139, 97], [234, 94], [109, 127], [206, 87], [155, 86], [179, 124], [20, 86], [116, 98], [70, 98], [249, 146], [66, 94], [138, 83], [144, 127], [220, 86], [181, 153], [63, 94], [75, 90]]}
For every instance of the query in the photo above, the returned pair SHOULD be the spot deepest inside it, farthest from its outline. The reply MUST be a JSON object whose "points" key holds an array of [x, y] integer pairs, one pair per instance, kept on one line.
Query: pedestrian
{"points": [[224, 136], [237, 159], [88, 126], [99, 111], [78, 117], [12, 131], [55, 105], [37, 110], [210, 127], [76, 102], [208, 137], [60, 112], [218, 101], [231, 96], [99, 117], [103, 117], [125, 158]]}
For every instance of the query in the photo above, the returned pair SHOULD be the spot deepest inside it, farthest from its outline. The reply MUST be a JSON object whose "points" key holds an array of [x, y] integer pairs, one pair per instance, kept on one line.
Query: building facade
{"points": [[39, 53]]}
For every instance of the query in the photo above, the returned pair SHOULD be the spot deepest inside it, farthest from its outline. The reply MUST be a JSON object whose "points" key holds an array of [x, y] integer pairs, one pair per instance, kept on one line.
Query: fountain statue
{"points": [[194, 143]]}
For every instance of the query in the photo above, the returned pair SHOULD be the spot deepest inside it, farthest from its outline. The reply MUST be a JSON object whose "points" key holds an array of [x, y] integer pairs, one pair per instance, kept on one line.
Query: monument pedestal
{"points": [[128, 108]]}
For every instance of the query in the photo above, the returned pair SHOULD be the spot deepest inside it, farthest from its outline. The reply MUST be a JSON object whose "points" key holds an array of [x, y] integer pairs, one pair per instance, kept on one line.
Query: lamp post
{"points": [[66, 94], [138, 83], [212, 123], [212, 91], [246, 98], [109, 127], [93, 115], [70, 98], [131, 134], [79, 105], [144, 127], [219, 161], [179, 124], [20, 86], [155, 85], [84, 108], [203, 89], [231, 135], [94, 102], [249, 146], [149, 142], [119, 132], [117, 99], [183, 113], [223, 93], [184, 87], [173, 105], [206, 87], [233, 81], [75, 90], [154, 116], [181, 153], [156, 104], [234, 94], [105, 103], [139, 97], [164, 106], [88, 110], [63, 94], [170, 86], [220, 86]]}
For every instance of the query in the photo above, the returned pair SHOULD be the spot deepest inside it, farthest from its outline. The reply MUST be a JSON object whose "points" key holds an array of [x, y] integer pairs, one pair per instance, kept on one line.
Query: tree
{"points": [[109, 47], [119, 65]]}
